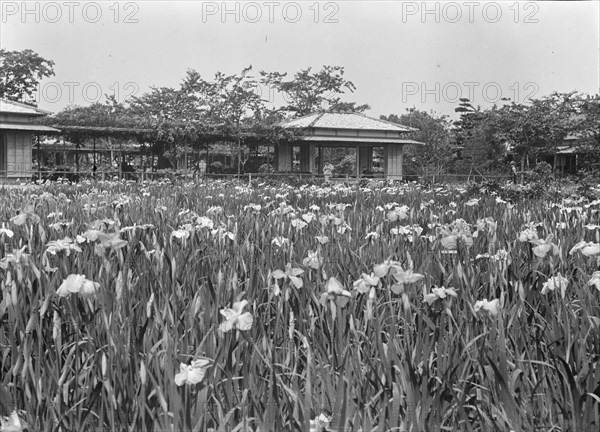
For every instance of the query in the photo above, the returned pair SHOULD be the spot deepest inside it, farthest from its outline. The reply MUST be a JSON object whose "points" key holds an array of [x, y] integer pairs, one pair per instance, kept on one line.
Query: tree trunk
{"points": [[239, 143], [522, 169]]}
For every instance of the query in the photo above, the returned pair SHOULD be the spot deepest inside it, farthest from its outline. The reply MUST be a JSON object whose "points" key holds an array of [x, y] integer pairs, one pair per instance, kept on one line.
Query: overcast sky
{"points": [[398, 54]]}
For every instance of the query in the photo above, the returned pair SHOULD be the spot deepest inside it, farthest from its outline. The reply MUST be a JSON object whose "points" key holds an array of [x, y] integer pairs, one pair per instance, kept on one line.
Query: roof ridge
{"points": [[282, 122], [319, 117], [389, 122]]}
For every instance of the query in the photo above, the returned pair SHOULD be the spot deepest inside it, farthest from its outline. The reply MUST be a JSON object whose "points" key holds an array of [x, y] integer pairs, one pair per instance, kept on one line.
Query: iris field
{"points": [[234, 307]]}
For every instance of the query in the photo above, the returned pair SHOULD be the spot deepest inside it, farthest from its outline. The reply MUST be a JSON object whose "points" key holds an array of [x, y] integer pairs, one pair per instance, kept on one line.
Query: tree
{"points": [[433, 130], [587, 122], [470, 118], [108, 114], [584, 126], [227, 108], [232, 101], [165, 104], [538, 127], [529, 130], [475, 136], [349, 107], [311, 91], [176, 116], [125, 126], [21, 72]]}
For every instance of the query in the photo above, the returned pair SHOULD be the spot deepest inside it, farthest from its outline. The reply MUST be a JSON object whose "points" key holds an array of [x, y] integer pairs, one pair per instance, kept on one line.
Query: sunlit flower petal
{"points": [[77, 284], [235, 319], [313, 260], [528, 235], [491, 306], [193, 373], [555, 282], [595, 280], [5, 231], [439, 294]]}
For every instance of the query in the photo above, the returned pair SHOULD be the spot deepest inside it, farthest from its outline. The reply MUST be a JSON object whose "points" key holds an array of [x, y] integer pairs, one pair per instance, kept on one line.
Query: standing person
{"points": [[9, 419], [513, 168], [328, 171]]}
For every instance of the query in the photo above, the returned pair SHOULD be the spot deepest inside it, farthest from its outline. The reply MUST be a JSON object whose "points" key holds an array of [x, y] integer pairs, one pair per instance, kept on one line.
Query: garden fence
{"points": [[42, 175]]}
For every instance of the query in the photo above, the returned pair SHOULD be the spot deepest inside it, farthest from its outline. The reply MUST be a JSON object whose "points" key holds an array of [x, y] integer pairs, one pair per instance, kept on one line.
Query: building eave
{"points": [[28, 127], [357, 140]]}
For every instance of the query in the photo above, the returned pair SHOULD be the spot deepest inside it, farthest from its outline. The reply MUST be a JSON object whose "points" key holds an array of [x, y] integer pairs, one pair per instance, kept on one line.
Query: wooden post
{"points": [[320, 160], [94, 167], [112, 154], [122, 159], [38, 158], [77, 147], [393, 160], [365, 159], [142, 160], [307, 158], [268, 158], [207, 162], [284, 162]]}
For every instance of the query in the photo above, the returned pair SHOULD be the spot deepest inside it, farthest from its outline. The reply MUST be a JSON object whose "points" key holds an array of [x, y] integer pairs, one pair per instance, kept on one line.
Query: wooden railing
{"points": [[58, 175]]}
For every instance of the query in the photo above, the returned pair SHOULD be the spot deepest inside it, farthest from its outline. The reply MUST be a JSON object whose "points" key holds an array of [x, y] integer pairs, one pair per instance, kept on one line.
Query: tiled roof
{"points": [[344, 121], [11, 107]]}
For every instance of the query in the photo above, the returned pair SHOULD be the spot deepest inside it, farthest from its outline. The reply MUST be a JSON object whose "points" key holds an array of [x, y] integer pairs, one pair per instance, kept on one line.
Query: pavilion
{"points": [[354, 130], [17, 129]]}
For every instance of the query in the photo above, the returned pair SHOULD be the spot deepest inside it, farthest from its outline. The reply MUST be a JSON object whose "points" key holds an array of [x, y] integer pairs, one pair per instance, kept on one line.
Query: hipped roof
{"points": [[12, 107], [351, 121]]}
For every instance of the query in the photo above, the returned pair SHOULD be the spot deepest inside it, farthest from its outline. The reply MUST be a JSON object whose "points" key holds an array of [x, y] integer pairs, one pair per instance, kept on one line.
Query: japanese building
{"points": [[354, 130], [17, 131]]}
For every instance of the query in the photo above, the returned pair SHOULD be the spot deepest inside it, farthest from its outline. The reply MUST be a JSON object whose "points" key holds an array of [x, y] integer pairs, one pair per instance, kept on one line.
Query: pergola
{"points": [[355, 130]]}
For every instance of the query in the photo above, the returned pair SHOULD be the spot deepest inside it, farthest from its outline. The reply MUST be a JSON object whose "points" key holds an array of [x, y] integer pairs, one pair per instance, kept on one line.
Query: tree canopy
{"points": [[434, 132], [21, 72], [309, 91]]}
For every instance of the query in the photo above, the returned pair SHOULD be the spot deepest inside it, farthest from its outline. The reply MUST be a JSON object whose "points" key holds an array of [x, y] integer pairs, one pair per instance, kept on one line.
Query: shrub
{"points": [[347, 166], [216, 167], [266, 169]]}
